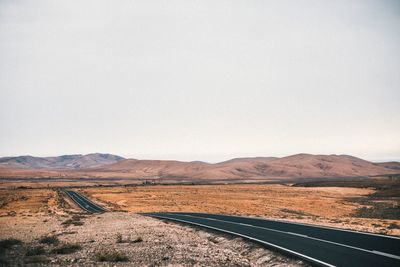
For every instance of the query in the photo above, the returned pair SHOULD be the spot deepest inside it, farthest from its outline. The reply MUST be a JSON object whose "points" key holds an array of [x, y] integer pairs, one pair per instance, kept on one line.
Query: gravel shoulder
{"points": [[125, 239]]}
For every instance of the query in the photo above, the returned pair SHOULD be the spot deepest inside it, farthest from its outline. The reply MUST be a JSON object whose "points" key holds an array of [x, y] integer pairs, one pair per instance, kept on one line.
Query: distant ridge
{"points": [[261, 159], [391, 165], [61, 162], [300, 165], [257, 168]]}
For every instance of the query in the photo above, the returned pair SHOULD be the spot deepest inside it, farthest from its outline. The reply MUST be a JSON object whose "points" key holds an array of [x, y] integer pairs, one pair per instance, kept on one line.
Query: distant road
{"points": [[83, 202], [323, 246]]}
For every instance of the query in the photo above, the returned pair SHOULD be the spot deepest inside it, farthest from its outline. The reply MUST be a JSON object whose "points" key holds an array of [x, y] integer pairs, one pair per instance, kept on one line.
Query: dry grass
{"points": [[111, 256], [66, 249], [9, 243], [323, 205], [353, 208], [28, 201], [74, 220], [34, 251], [50, 240], [263, 200]]}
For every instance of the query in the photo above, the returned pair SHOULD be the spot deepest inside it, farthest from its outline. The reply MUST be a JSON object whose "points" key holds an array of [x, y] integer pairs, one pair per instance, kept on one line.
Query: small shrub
{"points": [[138, 240], [53, 240], [119, 238], [74, 220], [11, 213], [66, 249], [393, 226], [8, 243], [36, 259], [111, 256], [295, 212], [35, 251], [77, 217]]}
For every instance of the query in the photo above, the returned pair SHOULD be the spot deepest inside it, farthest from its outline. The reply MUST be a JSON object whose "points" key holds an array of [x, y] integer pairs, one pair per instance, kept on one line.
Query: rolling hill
{"points": [[258, 168], [60, 162], [301, 165]]}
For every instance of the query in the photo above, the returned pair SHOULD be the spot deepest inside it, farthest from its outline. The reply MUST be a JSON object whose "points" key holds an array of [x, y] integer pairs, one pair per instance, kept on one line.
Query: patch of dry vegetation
{"points": [[111, 256], [130, 240], [334, 206], [24, 201], [66, 249], [39, 235], [74, 220]]}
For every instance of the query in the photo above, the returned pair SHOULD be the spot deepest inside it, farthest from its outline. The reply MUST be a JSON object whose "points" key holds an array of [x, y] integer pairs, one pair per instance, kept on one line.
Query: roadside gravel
{"points": [[140, 240]]}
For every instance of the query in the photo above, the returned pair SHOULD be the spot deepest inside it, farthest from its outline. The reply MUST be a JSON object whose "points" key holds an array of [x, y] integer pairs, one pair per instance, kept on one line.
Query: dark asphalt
{"points": [[83, 202], [319, 245]]}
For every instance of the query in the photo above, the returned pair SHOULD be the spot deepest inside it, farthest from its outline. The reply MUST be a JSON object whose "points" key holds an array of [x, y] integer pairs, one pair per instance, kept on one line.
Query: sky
{"points": [[200, 80]]}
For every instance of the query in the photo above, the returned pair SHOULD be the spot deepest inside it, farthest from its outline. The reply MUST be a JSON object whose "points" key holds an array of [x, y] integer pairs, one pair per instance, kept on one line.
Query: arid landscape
{"points": [[200, 133], [343, 207], [257, 169], [40, 224], [29, 216]]}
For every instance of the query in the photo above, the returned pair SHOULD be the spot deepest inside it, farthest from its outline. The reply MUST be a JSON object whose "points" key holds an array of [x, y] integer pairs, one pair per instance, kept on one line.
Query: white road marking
{"points": [[254, 239], [305, 236], [310, 225], [245, 224], [297, 234], [386, 254], [73, 194]]}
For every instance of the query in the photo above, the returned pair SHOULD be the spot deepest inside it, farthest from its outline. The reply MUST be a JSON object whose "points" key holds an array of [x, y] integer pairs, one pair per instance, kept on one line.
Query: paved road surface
{"points": [[319, 245], [83, 202]]}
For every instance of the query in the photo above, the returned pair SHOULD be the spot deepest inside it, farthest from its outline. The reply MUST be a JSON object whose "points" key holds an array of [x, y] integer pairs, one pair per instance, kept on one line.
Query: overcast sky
{"points": [[200, 80]]}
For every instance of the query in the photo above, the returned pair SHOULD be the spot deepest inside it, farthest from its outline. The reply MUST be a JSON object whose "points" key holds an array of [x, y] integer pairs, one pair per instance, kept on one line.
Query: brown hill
{"points": [[260, 168], [391, 165], [60, 162], [301, 165]]}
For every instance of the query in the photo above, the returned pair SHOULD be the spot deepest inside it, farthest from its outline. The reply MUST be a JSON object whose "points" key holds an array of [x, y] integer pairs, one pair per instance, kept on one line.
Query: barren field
{"points": [[350, 208], [40, 227], [40, 183]]}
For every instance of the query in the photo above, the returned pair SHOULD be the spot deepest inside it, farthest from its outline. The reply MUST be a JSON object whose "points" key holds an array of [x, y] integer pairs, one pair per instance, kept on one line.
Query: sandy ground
{"points": [[16, 183], [331, 206], [29, 215]]}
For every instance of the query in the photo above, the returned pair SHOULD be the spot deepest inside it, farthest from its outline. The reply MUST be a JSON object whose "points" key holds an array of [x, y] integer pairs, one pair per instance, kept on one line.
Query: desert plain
{"points": [[31, 216]]}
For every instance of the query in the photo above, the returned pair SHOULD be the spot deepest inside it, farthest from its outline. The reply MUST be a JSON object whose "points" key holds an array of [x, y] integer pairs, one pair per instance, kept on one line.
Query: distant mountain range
{"points": [[258, 168], [61, 162]]}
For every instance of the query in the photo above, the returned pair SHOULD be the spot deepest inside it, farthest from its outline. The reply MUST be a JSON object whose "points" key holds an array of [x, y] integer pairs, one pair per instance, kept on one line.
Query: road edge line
{"points": [[313, 260]]}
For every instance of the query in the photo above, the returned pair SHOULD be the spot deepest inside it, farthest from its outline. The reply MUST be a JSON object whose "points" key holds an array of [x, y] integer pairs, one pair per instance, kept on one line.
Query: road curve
{"points": [[319, 245], [83, 202]]}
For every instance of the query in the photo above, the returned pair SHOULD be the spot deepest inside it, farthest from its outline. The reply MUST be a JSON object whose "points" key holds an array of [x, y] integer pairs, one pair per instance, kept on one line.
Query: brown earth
{"points": [[332, 206], [30, 215]]}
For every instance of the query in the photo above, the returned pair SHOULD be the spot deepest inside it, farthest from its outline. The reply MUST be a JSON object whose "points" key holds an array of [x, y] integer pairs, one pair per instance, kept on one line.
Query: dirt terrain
{"points": [[351, 208], [43, 226]]}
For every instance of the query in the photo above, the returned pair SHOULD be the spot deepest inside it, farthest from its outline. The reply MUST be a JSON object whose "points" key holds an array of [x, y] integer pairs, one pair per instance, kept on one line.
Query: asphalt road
{"points": [[318, 245], [83, 202]]}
